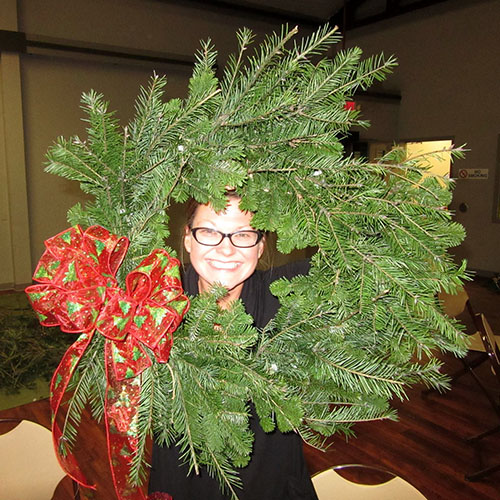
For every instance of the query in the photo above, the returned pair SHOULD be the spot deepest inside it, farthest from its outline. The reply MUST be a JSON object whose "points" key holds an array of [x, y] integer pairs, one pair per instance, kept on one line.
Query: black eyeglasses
{"points": [[211, 237]]}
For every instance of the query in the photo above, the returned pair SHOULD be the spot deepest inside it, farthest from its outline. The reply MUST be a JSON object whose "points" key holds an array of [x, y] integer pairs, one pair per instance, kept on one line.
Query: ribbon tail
{"points": [[121, 415], [58, 386]]}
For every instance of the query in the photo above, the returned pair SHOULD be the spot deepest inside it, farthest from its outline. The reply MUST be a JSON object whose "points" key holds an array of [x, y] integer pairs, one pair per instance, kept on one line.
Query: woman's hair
{"points": [[192, 205]]}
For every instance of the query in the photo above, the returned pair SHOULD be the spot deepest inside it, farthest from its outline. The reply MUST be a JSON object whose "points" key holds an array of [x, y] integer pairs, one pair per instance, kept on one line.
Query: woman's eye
{"points": [[207, 232], [245, 239], [243, 236]]}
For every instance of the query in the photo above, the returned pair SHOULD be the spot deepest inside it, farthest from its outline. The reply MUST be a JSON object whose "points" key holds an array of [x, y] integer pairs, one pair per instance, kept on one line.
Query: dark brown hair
{"points": [[192, 206]]}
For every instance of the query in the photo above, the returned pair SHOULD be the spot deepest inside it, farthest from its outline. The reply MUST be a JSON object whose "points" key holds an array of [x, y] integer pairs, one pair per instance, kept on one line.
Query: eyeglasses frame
{"points": [[260, 235]]}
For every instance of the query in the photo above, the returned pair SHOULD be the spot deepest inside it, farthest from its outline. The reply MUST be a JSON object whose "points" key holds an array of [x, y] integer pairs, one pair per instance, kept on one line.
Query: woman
{"points": [[225, 249]]}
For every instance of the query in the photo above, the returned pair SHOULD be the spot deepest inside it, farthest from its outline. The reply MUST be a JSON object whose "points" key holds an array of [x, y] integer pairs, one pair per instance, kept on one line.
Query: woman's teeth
{"points": [[224, 265]]}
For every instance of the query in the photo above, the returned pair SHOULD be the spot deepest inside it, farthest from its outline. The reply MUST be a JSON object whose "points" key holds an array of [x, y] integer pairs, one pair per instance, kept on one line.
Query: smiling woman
{"points": [[224, 250], [224, 263]]}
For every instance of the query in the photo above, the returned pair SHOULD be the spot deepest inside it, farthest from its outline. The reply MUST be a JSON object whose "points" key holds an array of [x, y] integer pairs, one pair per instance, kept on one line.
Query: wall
{"points": [[437, 165], [448, 74], [15, 262]]}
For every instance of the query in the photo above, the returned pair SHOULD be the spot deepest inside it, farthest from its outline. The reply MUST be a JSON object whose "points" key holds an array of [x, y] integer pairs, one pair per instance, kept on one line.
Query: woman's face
{"points": [[224, 264]]}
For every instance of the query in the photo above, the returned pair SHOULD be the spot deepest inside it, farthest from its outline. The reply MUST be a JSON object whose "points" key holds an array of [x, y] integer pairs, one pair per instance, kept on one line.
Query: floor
{"points": [[428, 446]]}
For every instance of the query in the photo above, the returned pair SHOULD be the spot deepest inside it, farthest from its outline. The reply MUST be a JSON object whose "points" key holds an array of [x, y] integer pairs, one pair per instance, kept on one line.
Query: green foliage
{"points": [[350, 336], [28, 351]]}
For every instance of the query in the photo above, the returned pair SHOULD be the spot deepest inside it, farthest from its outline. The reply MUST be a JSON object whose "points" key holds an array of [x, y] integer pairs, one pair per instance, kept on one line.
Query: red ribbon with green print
{"points": [[78, 291]]}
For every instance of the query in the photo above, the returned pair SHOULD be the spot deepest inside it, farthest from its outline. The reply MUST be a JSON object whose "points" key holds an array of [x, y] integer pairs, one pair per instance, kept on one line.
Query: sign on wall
{"points": [[473, 173]]}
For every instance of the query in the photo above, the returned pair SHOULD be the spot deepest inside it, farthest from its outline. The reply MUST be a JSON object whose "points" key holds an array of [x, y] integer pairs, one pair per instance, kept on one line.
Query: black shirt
{"points": [[277, 470]]}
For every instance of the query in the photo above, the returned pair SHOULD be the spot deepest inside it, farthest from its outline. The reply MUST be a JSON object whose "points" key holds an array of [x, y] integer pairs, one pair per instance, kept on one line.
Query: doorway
{"points": [[439, 164]]}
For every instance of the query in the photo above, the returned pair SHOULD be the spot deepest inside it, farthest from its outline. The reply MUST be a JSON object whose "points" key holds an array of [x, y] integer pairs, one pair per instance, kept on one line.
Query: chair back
{"points": [[29, 469], [330, 485], [454, 304], [490, 344]]}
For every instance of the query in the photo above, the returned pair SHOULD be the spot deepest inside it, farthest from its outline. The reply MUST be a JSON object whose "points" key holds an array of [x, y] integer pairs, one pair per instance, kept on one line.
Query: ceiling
{"points": [[347, 14]]}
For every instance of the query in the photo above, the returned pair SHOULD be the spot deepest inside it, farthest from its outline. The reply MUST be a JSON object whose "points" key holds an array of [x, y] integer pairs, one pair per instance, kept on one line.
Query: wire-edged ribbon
{"points": [[78, 291]]}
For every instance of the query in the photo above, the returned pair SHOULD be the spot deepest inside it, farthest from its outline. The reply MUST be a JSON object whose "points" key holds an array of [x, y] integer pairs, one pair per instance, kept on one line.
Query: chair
{"points": [[455, 305], [330, 485], [29, 469], [491, 347]]}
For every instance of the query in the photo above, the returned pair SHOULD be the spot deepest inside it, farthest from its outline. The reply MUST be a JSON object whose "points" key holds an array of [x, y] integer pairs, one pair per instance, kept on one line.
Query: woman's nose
{"points": [[225, 247]]}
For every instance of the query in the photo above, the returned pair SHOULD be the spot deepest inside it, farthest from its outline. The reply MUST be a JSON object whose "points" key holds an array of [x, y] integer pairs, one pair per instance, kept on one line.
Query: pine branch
{"points": [[245, 37], [186, 443], [65, 161], [225, 475], [350, 366], [317, 43], [258, 65]]}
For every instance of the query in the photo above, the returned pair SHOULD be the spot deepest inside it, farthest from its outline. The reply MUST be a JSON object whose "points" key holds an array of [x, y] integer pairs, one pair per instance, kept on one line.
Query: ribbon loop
{"points": [[109, 248], [78, 291], [74, 272]]}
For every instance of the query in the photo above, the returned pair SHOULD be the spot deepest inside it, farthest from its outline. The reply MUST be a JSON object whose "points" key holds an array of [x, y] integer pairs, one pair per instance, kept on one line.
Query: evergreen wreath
{"points": [[360, 328]]}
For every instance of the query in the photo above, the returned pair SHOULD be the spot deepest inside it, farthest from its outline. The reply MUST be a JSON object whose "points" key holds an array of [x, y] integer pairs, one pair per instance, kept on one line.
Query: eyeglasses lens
{"points": [[244, 238], [212, 237]]}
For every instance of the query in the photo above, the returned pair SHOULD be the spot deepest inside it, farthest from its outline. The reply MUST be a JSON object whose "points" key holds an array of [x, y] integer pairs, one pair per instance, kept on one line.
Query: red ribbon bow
{"points": [[78, 291]]}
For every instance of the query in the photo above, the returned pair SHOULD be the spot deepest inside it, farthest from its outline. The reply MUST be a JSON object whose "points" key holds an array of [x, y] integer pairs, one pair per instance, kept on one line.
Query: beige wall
{"points": [[437, 164], [448, 77], [14, 233]]}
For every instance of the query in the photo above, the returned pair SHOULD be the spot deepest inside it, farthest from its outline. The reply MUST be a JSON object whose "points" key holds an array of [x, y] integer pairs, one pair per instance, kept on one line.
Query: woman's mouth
{"points": [[223, 266]]}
